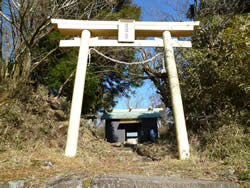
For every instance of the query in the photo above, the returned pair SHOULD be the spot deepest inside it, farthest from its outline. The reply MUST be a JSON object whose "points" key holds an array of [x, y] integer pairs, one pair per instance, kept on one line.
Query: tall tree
{"points": [[213, 74], [215, 80], [1, 35], [28, 21], [105, 79], [33, 47]]}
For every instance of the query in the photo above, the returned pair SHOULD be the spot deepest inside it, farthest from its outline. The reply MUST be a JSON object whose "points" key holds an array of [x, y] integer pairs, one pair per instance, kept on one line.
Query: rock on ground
{"points": [[129, 181], [126, 181], [68, 181]]}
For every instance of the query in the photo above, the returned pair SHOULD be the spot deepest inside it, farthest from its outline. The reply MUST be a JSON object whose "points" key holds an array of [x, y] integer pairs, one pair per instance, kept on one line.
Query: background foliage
{"points": [[41, 61]]}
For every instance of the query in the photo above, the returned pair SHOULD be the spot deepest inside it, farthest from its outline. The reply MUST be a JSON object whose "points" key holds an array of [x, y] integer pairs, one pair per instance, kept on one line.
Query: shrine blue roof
{"points": [[131, 115]]}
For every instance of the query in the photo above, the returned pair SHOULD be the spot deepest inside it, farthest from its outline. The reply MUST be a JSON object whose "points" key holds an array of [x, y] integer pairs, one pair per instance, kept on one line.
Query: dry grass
{"points": [[96, 157], [31, 133]]}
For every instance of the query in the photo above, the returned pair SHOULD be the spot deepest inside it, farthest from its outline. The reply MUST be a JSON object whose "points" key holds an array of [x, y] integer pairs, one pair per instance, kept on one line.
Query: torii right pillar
{"points": [[179, 119]]}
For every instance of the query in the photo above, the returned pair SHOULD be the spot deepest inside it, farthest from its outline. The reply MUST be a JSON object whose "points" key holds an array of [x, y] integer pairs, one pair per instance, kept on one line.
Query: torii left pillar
{"points": [[76, 105]]}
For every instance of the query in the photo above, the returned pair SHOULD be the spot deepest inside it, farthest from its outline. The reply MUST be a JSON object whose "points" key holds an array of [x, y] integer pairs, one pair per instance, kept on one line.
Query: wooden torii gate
{"points": [[127, 31]]}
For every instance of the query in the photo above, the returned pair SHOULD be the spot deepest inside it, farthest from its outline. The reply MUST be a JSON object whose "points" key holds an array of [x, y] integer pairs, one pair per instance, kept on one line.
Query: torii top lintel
{"points": [[110, 28]]}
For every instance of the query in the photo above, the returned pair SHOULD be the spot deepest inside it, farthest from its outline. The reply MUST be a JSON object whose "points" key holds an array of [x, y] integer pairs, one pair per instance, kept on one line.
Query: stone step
{"points": [[126, 181], [132, 181]]}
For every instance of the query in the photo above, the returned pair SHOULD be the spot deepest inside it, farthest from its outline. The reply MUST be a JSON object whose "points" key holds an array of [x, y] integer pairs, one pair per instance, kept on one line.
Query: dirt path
{"points": [[98, 158]]}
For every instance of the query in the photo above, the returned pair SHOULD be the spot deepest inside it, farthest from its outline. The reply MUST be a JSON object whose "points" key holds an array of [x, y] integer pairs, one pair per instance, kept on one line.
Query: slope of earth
{"points": [[96, 157], [32, 140]]}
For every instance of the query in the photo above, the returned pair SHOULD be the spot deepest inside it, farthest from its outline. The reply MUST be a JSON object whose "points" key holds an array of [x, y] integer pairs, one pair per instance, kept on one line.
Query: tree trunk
{"points": [[26, 65], [1, 44]]}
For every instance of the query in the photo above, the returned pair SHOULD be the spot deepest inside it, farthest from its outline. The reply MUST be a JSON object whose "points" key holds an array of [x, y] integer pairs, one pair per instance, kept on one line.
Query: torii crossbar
{"points": [[126, 32]]}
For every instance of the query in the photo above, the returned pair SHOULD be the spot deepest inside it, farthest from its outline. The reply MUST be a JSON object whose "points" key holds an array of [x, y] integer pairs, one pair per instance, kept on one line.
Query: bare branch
{"points": [[42, 26], [66, 81], [5, 17], [16, 4], [45, 57], [67, 4]]}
